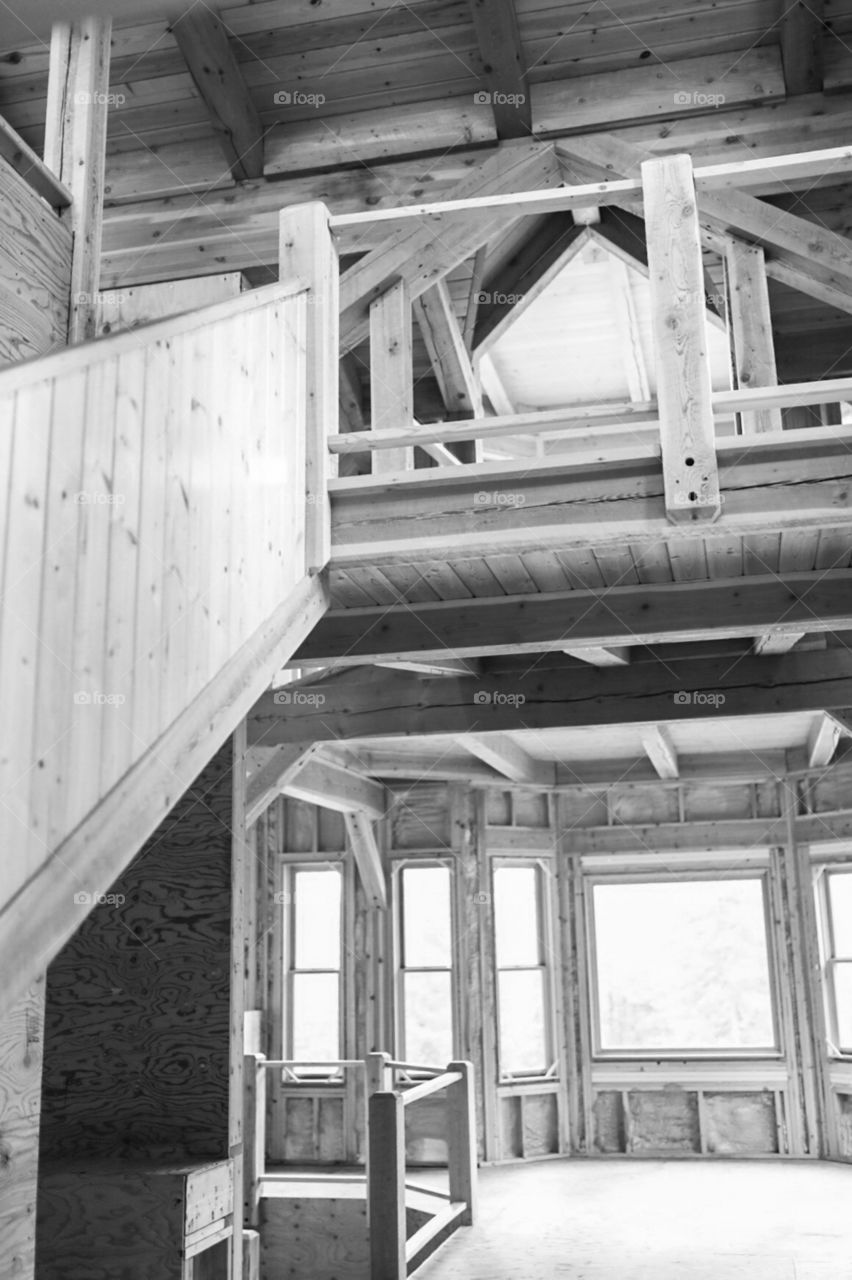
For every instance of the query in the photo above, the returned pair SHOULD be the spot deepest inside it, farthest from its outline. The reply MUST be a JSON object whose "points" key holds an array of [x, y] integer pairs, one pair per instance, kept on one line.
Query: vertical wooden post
{"points": [[386, 1187], [241, 855], [254, 1141], [391, 373], [306, 251], [687, 438], [751, 329], [461, 1132], [75, 149]]}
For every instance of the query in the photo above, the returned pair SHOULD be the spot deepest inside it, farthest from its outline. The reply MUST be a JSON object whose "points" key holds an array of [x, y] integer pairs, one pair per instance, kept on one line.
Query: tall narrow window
{"points": [[682, 966], [525, 1040], [425, 993], [313, 1005], [837, 942]]}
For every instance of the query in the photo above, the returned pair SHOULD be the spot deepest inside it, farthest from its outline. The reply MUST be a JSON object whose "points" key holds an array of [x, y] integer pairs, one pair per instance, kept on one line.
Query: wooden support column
{"points": [[75, 149], [386, 1187], [391, 375], [21, 1039], [687, 437], [306, 251], [751, 329]]}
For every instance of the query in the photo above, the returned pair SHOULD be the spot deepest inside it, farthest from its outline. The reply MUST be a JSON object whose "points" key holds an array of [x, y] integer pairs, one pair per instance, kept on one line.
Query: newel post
{"points": [[306, 252]]}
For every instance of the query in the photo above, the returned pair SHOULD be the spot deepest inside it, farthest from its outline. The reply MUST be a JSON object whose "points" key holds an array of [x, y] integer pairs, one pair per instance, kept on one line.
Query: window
{"points": [[424, 992], [523, 998], [312, 903], [837, 951], [681, 967]]}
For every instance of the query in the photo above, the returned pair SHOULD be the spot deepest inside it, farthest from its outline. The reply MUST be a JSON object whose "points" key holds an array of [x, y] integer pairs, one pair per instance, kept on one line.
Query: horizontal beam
{"points": [[395, 704], [653, 613], [32, 168], [769, 482]]}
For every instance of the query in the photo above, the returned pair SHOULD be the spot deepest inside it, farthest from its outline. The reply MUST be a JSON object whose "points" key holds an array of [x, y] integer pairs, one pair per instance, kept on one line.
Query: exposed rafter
{"points": [[777, 641], [497, 34], [660, 750], [802, 28], [822, 741], [440, 331], [503, 754], [601, 655], [272, 776], [326, 783], [203, 41]]}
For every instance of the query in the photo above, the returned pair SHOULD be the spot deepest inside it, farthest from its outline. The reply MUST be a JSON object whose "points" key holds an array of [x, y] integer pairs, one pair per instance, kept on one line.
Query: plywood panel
{"points": [[21, 1037], [137, 1011], [35, 272], [314, 1239], [740, 1123]]}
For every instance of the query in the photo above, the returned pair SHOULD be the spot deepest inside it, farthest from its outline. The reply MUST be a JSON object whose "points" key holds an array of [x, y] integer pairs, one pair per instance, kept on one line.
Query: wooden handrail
{"points": [[346, 1063], [71, 359], [516, 204], [415, 1066], [627, 416], [428, 1087], [21, 157]]}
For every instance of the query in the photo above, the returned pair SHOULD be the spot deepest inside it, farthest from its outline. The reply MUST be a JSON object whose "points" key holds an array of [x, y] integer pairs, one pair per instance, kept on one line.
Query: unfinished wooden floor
{"points": [[655, 1220]]}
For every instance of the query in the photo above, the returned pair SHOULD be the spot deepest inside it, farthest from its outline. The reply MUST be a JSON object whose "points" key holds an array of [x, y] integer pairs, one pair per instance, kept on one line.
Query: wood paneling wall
{"points": [[153, 496], [35, 272]]}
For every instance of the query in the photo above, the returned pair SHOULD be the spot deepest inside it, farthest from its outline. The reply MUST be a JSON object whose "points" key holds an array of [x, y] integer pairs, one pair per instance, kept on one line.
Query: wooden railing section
{"points": [[393, 1256], [160, 523]]}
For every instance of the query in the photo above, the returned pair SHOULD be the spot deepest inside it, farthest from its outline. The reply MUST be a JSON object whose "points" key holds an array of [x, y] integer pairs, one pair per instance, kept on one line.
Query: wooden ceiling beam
{"points": [[270, 779], [822, 741], [512, 761], [802, 29], [777, 641], [653, 613], [203, 40], [359, 704], [660, 750], [499, 40]]}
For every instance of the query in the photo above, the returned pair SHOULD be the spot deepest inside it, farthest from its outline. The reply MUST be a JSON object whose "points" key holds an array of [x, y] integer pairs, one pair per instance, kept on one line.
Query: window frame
{"points": [[398, 866], [772, 1052], [829, 960], [544, 873], [289, 871]]}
